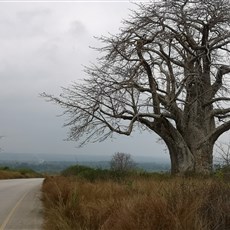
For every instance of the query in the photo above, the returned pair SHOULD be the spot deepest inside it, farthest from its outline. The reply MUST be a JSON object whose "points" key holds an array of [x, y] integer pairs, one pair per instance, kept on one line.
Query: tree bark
{"points": [[185, 160], [182, 159], [190, 151]]}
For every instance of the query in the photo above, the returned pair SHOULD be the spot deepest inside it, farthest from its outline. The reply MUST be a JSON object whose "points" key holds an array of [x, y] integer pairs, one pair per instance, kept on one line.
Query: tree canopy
{"points": [[167, 71]]}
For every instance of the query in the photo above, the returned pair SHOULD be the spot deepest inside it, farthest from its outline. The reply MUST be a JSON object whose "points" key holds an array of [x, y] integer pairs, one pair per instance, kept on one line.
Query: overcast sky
{"points": [[43, 46]]}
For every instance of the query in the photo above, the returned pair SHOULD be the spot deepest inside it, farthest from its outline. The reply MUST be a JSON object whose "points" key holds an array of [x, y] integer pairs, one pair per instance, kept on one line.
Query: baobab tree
{"points": [[167, 71]]}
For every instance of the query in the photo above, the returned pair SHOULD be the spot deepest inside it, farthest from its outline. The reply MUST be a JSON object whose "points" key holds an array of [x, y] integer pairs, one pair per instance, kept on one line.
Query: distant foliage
{"points": [[75, 170], [92, 175]]}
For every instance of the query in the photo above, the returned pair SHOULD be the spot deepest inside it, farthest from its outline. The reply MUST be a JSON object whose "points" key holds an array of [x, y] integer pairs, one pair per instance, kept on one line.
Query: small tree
{"points": [[223, 150], [122, 162]]}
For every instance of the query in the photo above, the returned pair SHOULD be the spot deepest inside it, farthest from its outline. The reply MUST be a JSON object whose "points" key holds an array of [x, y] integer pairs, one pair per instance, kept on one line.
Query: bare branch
{"points": [[219, 130], [166, 71], [219, 76]]}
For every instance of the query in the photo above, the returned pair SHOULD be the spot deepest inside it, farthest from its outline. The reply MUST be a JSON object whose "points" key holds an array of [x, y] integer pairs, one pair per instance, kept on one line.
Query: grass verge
{"points": [[136, 202], [7, 173]]}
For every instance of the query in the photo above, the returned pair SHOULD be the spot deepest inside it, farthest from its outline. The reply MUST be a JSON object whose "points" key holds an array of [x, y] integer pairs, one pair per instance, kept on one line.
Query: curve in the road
{"points": [[21, 207]]}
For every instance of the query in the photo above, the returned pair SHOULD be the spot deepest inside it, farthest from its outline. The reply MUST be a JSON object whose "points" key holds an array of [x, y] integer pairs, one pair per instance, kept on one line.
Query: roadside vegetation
{"points": [[84, 198], [9, 173]]}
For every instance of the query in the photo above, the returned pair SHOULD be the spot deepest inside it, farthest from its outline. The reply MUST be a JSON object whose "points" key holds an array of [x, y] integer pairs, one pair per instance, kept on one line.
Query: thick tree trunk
{"points": [[187, 154], [203, 157], [182, 160], [187, 161]]}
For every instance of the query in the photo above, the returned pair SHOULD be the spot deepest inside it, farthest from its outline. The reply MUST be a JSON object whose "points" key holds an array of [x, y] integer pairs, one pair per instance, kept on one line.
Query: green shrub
{"points": [[24, 171], [75, 170], [223, 172], [92, 174], [4, 168]]}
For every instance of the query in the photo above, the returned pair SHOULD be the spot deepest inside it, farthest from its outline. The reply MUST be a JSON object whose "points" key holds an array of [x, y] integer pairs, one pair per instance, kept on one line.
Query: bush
{"points": [[75, 170], [92, 174], [4, 168], [223, 172]]}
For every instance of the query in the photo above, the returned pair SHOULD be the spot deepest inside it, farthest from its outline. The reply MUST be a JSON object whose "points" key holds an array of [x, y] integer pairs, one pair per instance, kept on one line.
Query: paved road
{"points": [[20, 205]]}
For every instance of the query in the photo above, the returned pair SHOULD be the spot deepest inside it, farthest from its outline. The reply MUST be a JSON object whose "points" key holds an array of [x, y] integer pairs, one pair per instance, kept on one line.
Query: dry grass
{"points": [[9, 175], [136, 204], [15, 174]]}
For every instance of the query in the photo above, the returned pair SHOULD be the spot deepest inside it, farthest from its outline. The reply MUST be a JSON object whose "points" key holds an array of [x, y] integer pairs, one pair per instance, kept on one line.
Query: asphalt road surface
{"points": [[20, 204]]}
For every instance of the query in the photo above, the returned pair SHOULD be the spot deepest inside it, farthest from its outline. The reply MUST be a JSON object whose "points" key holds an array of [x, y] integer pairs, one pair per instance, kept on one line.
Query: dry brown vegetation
{"points": [[6, 173], [137, 203]]}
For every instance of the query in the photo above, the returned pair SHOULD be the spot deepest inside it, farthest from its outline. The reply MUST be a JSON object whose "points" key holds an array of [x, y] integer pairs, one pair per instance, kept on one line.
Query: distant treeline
{"points": [[58, 166]]}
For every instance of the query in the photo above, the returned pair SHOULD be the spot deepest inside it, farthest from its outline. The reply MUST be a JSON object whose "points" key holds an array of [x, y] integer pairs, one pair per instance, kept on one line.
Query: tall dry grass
{"points": [[6, 173], [137, 204]]}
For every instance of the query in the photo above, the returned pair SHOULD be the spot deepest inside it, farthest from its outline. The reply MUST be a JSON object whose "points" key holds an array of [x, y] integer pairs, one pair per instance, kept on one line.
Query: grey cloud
{"points": [[77, 28], [43, 47], [33, 15], [24, 24]]}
